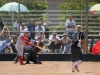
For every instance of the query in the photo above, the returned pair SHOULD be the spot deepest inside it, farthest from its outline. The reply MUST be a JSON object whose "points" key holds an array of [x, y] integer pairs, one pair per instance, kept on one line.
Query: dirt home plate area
{"points": [[48, 68]]}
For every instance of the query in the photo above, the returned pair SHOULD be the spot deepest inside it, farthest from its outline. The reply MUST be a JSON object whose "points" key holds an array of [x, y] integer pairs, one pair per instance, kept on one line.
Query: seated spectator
{"points": [[54, 43], [22, 27], [31, 28], [1, 25], [5, 35], [4, 39], [40, 43], [40, 29], [65, 43], [12, 44]]}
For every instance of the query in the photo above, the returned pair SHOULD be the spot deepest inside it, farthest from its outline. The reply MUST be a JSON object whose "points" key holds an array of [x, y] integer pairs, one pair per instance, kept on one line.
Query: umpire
{"points": [[78, 38]]}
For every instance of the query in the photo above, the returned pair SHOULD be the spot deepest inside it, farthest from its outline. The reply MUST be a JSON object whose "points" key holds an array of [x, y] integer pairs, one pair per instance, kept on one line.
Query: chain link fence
{"points": [[55, 21]]}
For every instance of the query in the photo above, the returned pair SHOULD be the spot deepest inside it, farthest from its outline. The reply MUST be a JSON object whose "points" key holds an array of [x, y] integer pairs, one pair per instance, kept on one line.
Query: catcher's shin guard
{"points": [[27, 58]]}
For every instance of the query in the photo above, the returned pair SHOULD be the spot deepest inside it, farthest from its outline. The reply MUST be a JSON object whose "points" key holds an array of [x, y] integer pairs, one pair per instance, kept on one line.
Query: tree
{"points": [[75, 5], [36, 5]]}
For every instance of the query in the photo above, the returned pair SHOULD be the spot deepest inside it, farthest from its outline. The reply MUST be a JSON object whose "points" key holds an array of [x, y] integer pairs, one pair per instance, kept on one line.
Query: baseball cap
{"points": [[23, 24], [54, 33], [70, 14]]}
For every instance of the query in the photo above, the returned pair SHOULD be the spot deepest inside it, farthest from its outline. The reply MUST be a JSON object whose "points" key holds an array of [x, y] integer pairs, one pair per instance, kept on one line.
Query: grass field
{"points": [[48, 68]]}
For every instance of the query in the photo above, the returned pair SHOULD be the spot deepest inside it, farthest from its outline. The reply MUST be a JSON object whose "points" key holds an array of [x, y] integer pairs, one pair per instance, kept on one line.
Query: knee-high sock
{"points": [[21, 60], [78, 62], [73, 65]]}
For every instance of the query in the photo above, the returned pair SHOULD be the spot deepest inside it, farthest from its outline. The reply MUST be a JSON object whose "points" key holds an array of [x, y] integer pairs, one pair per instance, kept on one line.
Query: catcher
{"points": [[31, 54]]}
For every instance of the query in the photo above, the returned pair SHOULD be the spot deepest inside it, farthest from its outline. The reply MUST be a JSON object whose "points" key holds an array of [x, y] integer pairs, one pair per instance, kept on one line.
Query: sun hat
{"points": [[64, 34]]}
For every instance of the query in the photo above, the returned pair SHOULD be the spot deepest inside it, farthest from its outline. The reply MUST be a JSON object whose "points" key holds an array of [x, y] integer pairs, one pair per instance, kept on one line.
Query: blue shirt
{"points": [[31, 27], [75, 37]]}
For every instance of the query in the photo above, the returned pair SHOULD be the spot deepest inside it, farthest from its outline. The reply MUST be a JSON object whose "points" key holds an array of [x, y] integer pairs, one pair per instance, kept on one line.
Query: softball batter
{"points": [[22, 39]]}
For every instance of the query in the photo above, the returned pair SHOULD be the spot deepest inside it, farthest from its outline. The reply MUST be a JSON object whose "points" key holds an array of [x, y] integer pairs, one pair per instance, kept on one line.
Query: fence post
{"points": [[91, 45], [86, 2]]}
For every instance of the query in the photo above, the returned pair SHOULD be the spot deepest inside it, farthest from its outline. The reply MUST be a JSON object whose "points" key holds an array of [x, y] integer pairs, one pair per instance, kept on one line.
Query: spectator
{"points": [[1, 24], [65, 43], [5, 34], [46, 28], [5, 40], [40, 29], [31, 28], [22, 27], [54, 43], [40, 43], [12, 44], [16, 26], [70, 25]]}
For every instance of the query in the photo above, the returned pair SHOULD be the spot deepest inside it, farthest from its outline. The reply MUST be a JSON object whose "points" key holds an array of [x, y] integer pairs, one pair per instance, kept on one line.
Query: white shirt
{"points": [[42, 29], [15, 25], [52, 38], [45, 25], [72, 23], [65, 40], [21, 30]]}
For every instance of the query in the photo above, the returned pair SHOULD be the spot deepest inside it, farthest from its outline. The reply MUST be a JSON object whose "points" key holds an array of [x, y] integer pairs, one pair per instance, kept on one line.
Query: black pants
{"points": [[32, 56], [32, 35], [46, 33], [76, 54]]}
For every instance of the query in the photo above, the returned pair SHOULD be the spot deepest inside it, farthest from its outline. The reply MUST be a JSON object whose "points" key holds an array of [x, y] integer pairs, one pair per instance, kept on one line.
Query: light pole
{"points": [[86, 20], [18, 8], [19, 14]]}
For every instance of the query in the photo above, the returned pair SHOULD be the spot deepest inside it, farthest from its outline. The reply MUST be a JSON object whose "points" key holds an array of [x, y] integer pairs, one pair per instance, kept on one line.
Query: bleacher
{"points": [[55, 20]]}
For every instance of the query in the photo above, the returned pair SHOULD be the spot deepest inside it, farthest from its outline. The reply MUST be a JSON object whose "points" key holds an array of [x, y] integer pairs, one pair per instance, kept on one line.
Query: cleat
{"points": [[27, 62], [73, 70], [15, 62], [76, 68], [22, 64]]}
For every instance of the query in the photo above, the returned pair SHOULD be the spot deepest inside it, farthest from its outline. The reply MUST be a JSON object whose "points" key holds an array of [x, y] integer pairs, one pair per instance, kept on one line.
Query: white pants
{"points": [[19, 50]]}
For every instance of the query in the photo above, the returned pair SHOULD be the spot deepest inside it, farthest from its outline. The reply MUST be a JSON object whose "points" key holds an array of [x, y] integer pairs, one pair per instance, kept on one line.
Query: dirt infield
{"points": [[48, 68]]}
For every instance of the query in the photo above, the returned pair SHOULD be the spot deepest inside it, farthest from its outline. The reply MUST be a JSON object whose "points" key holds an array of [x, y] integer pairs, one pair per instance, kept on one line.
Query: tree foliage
{"points": [[76, 4], [37, 5]]}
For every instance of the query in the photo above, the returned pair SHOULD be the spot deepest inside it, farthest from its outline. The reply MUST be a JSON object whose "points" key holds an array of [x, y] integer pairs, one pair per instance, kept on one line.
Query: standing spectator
{"points": [[22, 27], [16, 26], [31, 28], [1, 24], [76, 53], [40, 29], [54, 43], [46, 27], [70, 25], [65, 43]]}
